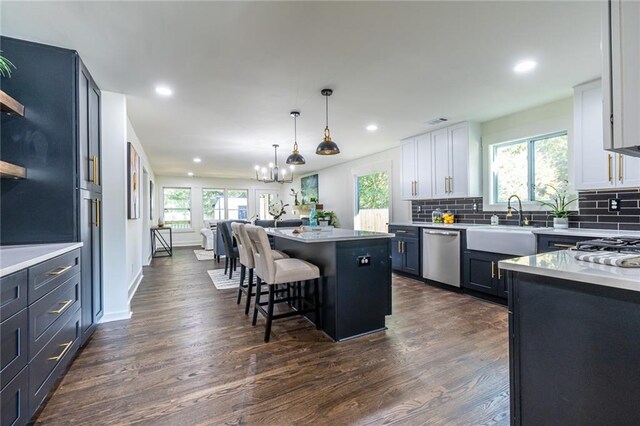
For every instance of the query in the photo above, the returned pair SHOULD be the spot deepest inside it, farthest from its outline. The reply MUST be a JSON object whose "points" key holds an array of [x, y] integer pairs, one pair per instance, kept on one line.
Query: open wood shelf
{"points": [[11, 171], [10, 105]]}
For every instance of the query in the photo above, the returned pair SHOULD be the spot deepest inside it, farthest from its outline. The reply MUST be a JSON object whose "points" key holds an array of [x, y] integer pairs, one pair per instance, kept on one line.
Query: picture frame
{"points": [[309, 188], [133, 182]]}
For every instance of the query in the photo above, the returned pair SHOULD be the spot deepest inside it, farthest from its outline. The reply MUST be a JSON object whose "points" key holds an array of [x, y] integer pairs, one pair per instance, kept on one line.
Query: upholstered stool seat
{"points": [[247, 262], [272, 272]]}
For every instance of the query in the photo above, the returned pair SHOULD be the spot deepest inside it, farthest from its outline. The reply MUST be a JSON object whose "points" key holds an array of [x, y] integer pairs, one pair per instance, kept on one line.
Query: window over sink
{"points": [[528, 167]]}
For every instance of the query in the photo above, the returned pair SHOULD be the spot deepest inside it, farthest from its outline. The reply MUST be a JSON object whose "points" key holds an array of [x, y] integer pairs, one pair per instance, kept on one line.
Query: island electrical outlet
{"points": [[364, 260]]}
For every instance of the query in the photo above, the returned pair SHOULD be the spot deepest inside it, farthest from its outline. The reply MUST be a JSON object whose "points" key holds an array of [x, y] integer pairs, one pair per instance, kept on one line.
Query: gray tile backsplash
{"points": [[592, 211]]}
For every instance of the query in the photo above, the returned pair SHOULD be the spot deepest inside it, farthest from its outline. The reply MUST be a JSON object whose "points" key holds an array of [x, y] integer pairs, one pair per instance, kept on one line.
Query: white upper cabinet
{"points": [[595, 168], [416, 167], [621, 76], [446, 163]]}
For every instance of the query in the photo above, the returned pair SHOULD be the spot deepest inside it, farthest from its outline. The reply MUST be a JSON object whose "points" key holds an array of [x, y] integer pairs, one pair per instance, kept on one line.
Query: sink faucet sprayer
{"points": [[510, 209]]}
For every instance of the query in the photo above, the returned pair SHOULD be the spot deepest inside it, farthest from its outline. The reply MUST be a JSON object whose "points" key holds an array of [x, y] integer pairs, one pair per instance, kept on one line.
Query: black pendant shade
{"points": [[327, 146], [295, 158]]}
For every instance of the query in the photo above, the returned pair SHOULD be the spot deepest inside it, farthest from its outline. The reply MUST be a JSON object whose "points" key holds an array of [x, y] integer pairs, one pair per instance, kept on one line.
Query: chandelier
{"points": [[273, 173]]}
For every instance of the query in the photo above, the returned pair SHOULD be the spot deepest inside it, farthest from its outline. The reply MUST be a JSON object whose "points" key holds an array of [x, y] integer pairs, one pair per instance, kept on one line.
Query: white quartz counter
{"points": [[595, 233], [335, 234], [563, 265], [436, 225], [16, 258]]}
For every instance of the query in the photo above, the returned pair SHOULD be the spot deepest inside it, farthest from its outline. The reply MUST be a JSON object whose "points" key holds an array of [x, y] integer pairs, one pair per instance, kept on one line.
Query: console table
{"points": [[159, 243]]}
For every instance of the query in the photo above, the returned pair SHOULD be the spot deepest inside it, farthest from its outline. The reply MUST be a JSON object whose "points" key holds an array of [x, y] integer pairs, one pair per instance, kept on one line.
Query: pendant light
{"points": [[295, 158], [327, 146]]}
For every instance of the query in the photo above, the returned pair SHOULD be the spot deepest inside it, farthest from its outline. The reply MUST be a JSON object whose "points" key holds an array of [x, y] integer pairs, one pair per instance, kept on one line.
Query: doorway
{"points": [[146, 222], [372, 202]]}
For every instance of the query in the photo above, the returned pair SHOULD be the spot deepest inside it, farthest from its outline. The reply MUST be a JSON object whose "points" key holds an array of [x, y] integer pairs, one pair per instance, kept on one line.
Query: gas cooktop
{"points": [[617, 244]]}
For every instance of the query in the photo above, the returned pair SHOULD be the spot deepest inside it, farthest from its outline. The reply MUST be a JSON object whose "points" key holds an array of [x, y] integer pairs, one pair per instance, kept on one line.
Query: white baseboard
{"points": [[115, 316], [189, 243], [133, 287]]}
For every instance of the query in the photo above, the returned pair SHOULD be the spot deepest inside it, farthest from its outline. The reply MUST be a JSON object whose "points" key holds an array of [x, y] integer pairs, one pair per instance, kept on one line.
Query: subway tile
{"points": [[619, 219], [598, 225], [629, 227]]}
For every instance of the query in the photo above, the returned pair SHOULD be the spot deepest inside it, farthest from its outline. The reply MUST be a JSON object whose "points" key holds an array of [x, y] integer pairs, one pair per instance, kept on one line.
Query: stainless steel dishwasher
{"points": [[441, 256]]}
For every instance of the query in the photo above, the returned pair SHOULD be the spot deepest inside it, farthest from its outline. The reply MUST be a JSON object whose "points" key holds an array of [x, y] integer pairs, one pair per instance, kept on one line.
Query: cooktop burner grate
{"points": [[619, 244]]}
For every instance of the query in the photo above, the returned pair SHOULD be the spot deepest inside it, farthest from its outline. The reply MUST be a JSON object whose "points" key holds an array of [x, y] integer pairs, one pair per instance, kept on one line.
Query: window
{"points": [[213, 203], [372, 202], [527, 167], [177, 207], [223, 204], [237, 204]]}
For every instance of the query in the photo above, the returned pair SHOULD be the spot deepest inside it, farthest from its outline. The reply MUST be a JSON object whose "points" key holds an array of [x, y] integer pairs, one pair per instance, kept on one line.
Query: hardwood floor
{"points": [[189, 355]]}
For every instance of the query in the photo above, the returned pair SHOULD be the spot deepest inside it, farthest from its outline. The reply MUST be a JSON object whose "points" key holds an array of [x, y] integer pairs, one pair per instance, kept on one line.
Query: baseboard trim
{"points": [[115, 316], [188, 243], [134, 285]]}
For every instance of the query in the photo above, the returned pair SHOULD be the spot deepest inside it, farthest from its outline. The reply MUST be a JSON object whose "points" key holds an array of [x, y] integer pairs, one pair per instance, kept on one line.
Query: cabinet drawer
{"points": [[56, 305], [46, 276], [13, 401], [48, 365], [13, 294], [13, 355], [405, 231], [549, 243]]}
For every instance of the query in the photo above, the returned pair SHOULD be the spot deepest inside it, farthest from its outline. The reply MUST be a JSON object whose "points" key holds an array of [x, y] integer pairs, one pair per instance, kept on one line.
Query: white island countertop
{"points": [[563, 265], [437, 225], [335, 234], [16, 258]]}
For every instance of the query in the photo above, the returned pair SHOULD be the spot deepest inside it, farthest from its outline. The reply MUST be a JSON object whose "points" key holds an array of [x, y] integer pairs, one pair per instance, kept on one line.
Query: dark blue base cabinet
{"points": [[574, 352], [41, 332], [405, 249]]}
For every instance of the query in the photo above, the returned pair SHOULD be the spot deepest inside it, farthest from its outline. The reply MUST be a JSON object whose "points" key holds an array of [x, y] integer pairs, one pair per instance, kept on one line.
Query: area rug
{"points": [[222, 281], [204, 254]]}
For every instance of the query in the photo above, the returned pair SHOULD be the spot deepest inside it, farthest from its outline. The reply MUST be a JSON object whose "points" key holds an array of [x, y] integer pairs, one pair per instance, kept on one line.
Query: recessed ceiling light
{"points": [[197, 160], [372, 127], [164, 90], [190, 174], [524, 66]]}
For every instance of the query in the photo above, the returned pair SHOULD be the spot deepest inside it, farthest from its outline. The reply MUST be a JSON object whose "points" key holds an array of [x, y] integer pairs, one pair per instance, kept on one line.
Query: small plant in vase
{"points": [[322, 218], [559, 207]]}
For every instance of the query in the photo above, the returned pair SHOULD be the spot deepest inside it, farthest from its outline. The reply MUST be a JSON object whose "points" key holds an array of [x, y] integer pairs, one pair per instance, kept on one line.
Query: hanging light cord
{"points": [[327, 134], [295, 134]]}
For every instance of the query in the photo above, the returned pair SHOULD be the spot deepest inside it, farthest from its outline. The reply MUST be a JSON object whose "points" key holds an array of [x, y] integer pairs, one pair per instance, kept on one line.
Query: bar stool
{"points": [[245, 252], [272, 272]]}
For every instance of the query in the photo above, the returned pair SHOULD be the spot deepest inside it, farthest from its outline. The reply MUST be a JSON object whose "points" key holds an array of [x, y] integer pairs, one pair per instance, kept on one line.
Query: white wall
{"points": [[122, 238], [336, 186], [192, 236], [548, 118]]}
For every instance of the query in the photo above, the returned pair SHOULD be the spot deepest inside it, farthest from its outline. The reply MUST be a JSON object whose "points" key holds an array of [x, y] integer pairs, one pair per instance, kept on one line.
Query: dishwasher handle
{"points": [[443, 233]]}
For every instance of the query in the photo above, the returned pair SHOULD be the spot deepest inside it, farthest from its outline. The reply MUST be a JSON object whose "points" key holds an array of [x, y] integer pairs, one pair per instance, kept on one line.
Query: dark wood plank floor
{"points": [[190, 356]]}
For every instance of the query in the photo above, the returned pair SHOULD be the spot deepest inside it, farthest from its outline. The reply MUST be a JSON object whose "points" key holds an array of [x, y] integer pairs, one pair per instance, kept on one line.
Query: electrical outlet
{"points": [[475, 207], [419, 209], [614, 204], [364, 260]]}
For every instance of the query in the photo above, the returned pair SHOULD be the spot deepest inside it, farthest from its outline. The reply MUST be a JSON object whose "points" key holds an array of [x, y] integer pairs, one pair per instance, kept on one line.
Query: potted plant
{"points": [[322, 218], [277, 209], [5, 66], [559, 207], [331, 217]]}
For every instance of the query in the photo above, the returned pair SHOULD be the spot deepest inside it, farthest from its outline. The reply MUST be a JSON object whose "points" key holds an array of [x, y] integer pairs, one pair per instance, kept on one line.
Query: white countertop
{"points": [[16, 258], [335, 234], [437, 225], [563, 265], [595, 233]]}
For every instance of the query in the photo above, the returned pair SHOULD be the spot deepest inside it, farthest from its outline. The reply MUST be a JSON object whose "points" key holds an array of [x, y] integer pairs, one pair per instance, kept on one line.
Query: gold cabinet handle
{"points": [[450, 184], [97, 212], [446, 186], [404, 246], [65, 304], [499, 274], [59, 271], [609, 168], [398, 247], [620, 163], [64, 351], [493, 269], [94, 161], [560, 245]]}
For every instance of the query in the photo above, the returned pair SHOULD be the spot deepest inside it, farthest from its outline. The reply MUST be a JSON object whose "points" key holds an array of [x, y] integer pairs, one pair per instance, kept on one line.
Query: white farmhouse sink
{"points": [[514, 240]]}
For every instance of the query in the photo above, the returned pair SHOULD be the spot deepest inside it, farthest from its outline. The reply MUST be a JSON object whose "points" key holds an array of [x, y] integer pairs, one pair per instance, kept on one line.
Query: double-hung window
{"points": [[529, 167], [225, 204], [177, 207]]}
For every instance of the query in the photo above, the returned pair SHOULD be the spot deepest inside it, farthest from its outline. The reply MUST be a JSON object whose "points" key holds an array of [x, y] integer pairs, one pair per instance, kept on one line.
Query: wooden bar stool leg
{"points": [[255, 304], [267, 331], [249, 291], [316, 302], [243, 271]]}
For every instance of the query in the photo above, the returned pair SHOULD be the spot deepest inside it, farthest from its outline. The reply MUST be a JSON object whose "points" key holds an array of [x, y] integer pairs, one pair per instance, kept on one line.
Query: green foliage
{"points": [[559, 205], [212, 203], [5, 66], [177, 207], [373, 191]]}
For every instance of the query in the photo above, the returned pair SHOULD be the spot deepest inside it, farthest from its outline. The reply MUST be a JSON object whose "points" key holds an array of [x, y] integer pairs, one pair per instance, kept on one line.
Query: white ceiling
{"points": [[238, 68]]}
